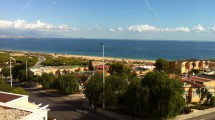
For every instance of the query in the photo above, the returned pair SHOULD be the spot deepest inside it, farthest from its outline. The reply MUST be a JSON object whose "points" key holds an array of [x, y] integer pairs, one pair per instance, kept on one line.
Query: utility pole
{"points": [[26, 70]]}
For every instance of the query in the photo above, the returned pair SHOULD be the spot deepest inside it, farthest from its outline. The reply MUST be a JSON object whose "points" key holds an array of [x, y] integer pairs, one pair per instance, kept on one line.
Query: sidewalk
{"points": [[111, 114], [195, 113]]}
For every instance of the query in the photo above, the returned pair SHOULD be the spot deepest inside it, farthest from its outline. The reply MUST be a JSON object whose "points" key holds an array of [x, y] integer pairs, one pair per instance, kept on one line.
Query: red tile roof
{"points": [[198, 79], [101, 67], [195, 84]]}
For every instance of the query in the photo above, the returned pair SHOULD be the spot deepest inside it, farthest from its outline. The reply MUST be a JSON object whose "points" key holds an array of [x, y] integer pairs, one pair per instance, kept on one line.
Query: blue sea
{"points": [[134, 49]]}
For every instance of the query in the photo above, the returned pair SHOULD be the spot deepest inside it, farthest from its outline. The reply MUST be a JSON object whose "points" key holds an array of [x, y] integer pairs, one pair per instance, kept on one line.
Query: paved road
{"points": [[210, 116], [65, 107], [41, 59]]}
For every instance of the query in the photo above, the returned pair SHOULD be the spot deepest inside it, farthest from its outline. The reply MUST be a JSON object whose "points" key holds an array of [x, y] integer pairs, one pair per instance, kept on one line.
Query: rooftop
{"points": [[16, 106], [6, 97], [198, 79], [5, 113], [101, 67]]}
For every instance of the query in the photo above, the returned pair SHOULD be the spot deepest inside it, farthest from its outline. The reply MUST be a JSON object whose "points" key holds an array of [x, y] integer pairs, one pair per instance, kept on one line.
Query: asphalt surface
{"points": [[65, 107], [210, 116], [40, 60]]}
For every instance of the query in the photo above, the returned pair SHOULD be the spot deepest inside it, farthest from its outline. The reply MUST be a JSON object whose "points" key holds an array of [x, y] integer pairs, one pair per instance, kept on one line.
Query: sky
{"points": [[109, 19]]}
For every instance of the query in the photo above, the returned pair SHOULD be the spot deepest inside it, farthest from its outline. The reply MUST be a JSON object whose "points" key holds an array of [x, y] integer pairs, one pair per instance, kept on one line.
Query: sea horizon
{"points": [[114, 48], [83, 38]]}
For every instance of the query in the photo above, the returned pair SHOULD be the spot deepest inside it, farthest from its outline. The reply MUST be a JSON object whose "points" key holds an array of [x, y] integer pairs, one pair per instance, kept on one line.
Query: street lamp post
{"points": [[26, 70], [103, 46], [11, 83]]}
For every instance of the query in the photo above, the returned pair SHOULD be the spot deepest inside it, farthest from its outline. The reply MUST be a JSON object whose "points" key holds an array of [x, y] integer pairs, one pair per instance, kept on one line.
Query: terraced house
{"points": [[184, 66]]}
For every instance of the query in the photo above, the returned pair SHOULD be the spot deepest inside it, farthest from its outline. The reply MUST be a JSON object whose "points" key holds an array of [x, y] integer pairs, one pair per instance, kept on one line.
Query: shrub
{"points": [[5, 87], [200, 107], [187, 110], [212, 101], [195, 71], [8, 88], [19, 90]]}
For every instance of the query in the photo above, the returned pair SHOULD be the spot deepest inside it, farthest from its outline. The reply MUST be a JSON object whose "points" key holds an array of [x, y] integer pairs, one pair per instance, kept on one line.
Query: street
{"points": [[65, 107], [40, 60]]}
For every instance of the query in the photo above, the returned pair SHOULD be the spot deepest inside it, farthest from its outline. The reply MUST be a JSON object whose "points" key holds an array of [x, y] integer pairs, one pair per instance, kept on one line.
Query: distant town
{"points": [[45, 86]]}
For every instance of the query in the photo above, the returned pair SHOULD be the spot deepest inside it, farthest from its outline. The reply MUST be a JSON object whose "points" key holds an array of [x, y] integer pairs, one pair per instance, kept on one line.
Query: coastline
{"points": [[96, 58]]}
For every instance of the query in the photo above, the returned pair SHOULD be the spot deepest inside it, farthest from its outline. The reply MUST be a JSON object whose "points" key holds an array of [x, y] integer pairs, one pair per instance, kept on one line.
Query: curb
{"points": [[114, 115]]}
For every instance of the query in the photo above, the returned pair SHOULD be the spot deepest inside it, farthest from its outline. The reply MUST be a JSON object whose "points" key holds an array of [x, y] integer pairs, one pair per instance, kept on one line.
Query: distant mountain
{"points": [[26, 34]]}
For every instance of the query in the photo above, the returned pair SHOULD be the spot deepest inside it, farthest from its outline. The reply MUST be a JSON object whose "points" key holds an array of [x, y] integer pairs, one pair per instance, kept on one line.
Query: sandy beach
{"points": [[100, 58], [95, 58]]}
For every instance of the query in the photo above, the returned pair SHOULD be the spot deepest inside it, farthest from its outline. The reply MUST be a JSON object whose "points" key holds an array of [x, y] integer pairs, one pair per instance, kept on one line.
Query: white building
{"points": [[16, 106]]}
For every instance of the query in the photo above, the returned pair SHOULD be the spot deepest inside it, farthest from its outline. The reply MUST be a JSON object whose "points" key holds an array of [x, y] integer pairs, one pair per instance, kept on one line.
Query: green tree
{"points": [[68, 83], [4, 57], [84, 78], [46, 80], [1, 77], [94, 89], [90, 66], [19, 72], [6, 71], [33, 78], [164, 94], [162, 65], [60, 61], [203, 93], [119, 68], [115, 87], [136, 97]]}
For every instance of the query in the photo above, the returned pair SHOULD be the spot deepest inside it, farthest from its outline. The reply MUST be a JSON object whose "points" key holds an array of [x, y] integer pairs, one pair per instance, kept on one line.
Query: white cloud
{"points": [[6, 24], [199, 28], [212, 27], [22, 24], [38, 28], [148, 28], [111, 30], [99, 28], [119, 29], [142, 28], [180, 29]]}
